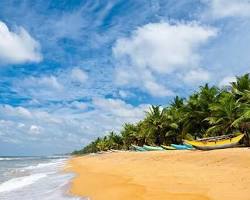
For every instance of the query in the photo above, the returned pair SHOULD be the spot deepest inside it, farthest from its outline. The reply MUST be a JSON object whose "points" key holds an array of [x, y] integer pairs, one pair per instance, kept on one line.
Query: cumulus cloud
{"points": [[196, 76], [125, 94], [78, 75], [48, 82], [163, 47], [157, 49], [228, 8], [18, 47], [68, 126], [34, 129], [226, 81], [119, 108], [68, 84], [132, 77], [155, 89], [40, 88], [79, 105], [15, 111]]}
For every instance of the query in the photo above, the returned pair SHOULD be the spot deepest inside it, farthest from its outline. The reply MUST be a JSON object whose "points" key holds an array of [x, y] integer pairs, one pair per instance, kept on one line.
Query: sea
{"points": [[35, 178]]}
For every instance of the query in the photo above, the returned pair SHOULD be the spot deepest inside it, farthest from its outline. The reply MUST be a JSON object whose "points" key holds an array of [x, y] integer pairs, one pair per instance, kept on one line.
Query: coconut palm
{"points": [[103, 144], [177, 102], [115, 141], [129, 134], [174, 130], [155, 125], [224, 113], [197, 110], [241, 86], [243, 124]]}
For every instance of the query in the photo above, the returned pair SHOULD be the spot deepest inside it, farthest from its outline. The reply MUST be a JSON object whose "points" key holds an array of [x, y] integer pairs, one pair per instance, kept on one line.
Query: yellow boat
{"points": [[220, 142]]}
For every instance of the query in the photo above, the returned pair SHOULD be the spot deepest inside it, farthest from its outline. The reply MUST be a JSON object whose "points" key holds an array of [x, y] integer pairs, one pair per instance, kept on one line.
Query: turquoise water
{"points": [[34, 178]]}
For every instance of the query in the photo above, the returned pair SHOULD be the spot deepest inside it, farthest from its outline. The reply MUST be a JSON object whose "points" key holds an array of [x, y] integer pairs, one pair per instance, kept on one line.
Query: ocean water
{"points": [[34, 178]]}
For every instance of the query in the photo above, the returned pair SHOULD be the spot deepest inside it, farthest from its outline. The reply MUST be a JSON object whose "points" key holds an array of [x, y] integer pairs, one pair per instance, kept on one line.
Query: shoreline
{"points": [[180, 175]]}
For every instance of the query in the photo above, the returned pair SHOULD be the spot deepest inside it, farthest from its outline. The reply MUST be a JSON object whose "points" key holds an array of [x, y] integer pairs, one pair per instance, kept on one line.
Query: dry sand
{"points": [[174, 175]]}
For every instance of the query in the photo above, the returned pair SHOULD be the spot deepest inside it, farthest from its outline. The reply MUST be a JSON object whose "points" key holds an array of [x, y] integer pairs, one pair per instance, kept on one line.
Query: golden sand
{"points": [[174, 175]]}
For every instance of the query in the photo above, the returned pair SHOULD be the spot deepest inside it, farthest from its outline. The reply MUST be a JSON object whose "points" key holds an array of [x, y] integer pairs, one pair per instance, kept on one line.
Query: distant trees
{"points": [[208, 112]]}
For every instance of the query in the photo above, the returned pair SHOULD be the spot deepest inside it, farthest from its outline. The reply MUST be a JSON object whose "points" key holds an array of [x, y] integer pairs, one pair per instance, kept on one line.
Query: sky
{"points": [[73, 70]]}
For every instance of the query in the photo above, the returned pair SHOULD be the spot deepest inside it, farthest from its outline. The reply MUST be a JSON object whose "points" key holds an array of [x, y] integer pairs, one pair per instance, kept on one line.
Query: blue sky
{"points": [[72, 70]]}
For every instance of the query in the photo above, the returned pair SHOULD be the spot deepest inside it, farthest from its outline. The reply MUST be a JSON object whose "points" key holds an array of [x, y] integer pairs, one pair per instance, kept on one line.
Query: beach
{"points": [[180, 175]]}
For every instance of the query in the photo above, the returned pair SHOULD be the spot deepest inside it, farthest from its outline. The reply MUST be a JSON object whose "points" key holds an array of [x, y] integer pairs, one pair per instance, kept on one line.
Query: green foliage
{"points": [[208, 112]]}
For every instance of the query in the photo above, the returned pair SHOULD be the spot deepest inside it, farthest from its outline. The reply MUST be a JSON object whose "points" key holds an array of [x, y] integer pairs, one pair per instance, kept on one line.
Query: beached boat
{"points": [[181, 147], [138, 148], [153, 148], [220, 142], [168, 147]]}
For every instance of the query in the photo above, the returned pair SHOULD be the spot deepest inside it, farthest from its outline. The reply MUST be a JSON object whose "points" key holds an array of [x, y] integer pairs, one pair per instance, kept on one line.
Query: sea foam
{"points": [[20, 182], [32, 178]]}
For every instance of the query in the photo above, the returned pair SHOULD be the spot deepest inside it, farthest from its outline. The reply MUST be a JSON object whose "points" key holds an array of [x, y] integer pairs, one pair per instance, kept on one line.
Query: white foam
{"points": [[46, 165], [9, 159], [17, 183]]}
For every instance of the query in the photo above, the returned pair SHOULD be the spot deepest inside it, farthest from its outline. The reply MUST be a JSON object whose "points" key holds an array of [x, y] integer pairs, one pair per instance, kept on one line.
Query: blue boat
{"points": [[153, 148], [138, 148], [182, 147]]}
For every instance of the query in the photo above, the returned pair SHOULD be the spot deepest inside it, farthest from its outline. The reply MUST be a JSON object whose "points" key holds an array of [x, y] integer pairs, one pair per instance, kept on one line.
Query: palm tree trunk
{"points": [[247, 140]]}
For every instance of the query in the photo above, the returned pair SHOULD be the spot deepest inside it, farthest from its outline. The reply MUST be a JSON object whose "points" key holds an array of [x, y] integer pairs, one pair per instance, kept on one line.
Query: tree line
{"points": [[210, 111]]}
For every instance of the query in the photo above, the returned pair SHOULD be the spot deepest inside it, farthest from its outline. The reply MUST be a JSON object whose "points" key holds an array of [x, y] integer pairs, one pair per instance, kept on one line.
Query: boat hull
{"points": [[181, 147], [151, 148], [138, 148], [220, 144], [168, 147]]}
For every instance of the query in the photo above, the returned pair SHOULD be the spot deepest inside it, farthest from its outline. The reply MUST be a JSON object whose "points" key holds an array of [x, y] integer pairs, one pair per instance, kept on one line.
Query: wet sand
{"points": [[179, 175]]}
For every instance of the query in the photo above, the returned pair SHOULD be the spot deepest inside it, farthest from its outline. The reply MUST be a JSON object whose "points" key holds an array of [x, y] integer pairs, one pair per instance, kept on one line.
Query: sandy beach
{"points": [[180, 175]]}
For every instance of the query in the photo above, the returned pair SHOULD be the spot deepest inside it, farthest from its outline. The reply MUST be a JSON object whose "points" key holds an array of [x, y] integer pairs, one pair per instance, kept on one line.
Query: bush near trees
{"points": [[208, 112]]}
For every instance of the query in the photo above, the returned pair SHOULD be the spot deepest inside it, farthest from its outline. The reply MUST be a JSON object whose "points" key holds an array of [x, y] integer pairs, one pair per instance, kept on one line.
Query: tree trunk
{"points": [[247, 142]]}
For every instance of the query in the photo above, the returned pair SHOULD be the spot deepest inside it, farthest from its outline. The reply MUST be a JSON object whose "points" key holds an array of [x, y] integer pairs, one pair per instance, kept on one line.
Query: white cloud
{"points": [[229, 8], [63, 85], [46, 83], [226, 81], [196, 76], [67, 126], [125, 94], [18, 47], [79, 105], [120, 108], [47, 87], [78, 75], [20, 125], [143, 79], [157, 90], [163, 47], [15, 111], [35, 129], [159, 49]]}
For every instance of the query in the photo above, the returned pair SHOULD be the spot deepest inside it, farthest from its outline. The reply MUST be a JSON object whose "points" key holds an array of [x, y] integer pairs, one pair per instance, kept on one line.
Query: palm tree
{"points": [[197, 110], [174, 133], [241, 87], [114, 141], [103, 144], [155, 125], [224, 113], [243, 123], [177, 102], [129, 134], [241, 92]]}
